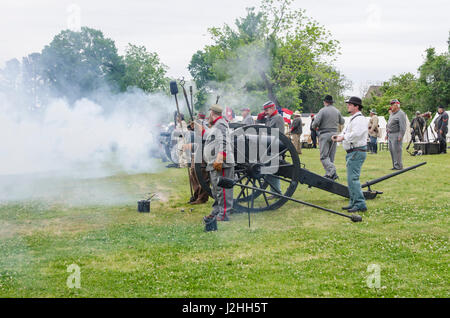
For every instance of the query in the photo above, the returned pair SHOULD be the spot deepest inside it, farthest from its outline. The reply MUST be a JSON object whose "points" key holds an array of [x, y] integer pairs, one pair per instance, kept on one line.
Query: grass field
{"points": [[295, 251]]}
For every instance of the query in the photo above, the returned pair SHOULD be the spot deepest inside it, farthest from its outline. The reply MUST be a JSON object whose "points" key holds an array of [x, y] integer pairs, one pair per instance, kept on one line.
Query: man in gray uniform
{"points": [[441, 127], [327, 121], [274, 120], [219, 158], [296, 131], [247, 118], [395, 129]]}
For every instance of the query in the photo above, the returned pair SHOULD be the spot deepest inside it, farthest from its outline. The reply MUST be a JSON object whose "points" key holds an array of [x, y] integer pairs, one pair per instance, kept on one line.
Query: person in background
{"points": [[354, 141], [417, 126], [296, 131], [327, 121], [313, 132], [373, 131], [395, 129], [441, 128], [247, 118]]}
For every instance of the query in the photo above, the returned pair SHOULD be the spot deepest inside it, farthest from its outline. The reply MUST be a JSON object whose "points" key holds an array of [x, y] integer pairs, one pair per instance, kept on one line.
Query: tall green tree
{"points": [[144, 70], [276, 53], [435, 76], [75, 64], [423, 93]]}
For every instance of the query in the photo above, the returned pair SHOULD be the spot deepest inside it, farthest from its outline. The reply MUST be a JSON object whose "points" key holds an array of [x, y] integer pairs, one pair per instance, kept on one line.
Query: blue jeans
{"points": [[373, 144], [355, 161]]}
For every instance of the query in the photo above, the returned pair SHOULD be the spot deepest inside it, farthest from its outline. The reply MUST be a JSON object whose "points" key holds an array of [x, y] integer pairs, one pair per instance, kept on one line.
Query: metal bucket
{"points": [[144, 206], [210, 224]]}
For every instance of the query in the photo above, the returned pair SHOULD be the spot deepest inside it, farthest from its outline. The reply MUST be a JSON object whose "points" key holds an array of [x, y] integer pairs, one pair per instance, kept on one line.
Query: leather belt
{"points": [[357, 149]]}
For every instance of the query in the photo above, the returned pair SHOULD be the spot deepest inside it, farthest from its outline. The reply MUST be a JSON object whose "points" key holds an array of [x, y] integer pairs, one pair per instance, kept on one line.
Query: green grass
{"points": [[295, 251]]}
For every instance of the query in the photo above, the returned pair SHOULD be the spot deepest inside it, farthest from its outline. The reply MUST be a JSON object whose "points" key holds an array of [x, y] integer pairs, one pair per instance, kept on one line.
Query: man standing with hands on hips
{"points": [[354, 141]]}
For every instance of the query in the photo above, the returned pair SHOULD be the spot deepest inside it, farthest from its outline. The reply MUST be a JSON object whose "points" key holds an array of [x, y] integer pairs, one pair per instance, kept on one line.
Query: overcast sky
{"points": [[378, 38]]}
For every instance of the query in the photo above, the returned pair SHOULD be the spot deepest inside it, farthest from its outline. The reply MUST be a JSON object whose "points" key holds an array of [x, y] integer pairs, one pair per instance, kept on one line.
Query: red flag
{"points": [[229, 113], [287, 113]]}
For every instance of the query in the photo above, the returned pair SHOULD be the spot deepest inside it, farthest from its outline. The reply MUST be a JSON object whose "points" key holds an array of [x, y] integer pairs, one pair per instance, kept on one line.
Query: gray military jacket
{"points": [[217, 139], [276, 121], [328, 119], [297, 126], [397, 123], [248, 120]]}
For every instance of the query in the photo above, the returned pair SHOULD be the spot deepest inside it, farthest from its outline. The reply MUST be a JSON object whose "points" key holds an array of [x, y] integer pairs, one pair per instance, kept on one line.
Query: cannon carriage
{"points": [[263, 156]]}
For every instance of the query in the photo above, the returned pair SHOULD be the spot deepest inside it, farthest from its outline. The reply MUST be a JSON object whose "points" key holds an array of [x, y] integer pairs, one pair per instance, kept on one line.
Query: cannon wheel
{"points": [[253, 200]]}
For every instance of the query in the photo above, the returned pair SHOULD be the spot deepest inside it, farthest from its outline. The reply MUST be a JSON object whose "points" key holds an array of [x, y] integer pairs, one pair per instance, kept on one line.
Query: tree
{"points": [[143, 69], [276, 53], [74, 64], [423, 93], [435, 76], [10, 75]]}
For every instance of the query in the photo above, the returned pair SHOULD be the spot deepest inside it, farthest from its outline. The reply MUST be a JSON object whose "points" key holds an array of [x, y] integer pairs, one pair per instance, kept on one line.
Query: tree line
{"points": [[77, 64], [273, 52], [423, 92]]}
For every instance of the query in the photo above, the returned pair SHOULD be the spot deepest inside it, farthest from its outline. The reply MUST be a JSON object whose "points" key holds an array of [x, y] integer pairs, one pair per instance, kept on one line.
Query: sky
{"points": [[378, 39]]}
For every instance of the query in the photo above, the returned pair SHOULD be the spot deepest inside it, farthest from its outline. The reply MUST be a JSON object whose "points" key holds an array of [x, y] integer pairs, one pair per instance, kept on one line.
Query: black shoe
{"points": [[355, 209], [348, 207], [333, 177]]}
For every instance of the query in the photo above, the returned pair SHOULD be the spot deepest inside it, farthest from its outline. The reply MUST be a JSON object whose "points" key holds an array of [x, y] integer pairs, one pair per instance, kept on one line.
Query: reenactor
{"points": [[327, 122], [441, 128], [313, 132], [247, 118], [395, 129], [374, 130], [199, 195], [296, 131], [417, 125], [354, 141], [219, 158], [274, 120]]}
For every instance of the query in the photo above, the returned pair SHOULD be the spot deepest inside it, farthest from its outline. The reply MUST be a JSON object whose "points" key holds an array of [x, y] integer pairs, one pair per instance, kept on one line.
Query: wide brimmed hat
{"points": [[355, 101], [328, 99], [297, 113], [216, 108]]}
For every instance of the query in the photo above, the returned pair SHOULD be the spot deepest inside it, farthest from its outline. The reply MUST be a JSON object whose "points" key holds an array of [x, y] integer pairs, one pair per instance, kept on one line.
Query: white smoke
{"points": [[116, 133]]}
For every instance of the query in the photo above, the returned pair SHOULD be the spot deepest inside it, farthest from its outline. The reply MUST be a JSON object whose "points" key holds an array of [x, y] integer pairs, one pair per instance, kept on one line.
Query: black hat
{"points": [[355, 101], [441, 106], [328, 99]]}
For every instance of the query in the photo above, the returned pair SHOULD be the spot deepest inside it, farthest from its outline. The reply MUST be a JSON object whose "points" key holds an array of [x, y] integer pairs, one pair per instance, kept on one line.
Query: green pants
{"points": [[355, 161]]}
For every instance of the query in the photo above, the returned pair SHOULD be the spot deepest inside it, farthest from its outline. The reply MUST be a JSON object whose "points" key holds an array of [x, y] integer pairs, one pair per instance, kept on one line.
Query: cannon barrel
{"points": [[372, 182]]}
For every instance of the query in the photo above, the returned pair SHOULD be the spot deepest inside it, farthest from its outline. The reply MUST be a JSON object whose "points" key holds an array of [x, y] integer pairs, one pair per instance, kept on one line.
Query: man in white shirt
{"points": [[354, 141]]}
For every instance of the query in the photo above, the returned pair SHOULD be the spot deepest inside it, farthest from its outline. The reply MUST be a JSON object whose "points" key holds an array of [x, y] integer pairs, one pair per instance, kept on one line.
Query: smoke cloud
{"points": [[97, 137]]}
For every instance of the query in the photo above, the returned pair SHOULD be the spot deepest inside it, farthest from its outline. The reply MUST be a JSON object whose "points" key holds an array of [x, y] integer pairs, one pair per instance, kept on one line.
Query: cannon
{"points": [[255, 191]]}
